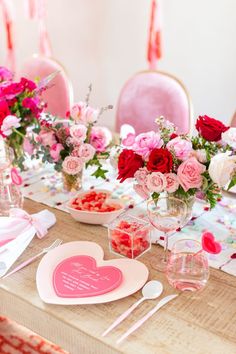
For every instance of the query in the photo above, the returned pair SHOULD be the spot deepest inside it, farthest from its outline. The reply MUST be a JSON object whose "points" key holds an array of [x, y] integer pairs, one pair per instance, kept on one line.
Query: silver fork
{"points": [[55, 244]]}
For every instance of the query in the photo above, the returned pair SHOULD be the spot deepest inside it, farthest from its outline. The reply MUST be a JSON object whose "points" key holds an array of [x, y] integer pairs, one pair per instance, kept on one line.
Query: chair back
{"points": [[150, 94], [59, 97], [233, 121]]}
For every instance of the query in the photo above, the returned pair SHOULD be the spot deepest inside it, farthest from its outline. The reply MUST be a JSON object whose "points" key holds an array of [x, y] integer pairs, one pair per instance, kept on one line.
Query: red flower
{"points": [[210, 128], [11, 90], [160, 160], [28, 84], [129, 162], [4, 111]]}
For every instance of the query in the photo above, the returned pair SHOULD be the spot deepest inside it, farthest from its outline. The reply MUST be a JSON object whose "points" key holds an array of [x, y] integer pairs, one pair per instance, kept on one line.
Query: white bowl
{"points": [[95, 217]]}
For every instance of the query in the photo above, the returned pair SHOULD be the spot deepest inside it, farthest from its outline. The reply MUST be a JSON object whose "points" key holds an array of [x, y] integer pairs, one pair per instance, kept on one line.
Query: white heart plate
{"points": [[135, 274]]}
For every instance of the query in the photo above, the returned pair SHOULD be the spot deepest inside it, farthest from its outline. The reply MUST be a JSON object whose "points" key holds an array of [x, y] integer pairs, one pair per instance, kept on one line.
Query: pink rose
{"points": [[86, 152], [46, 138], [141, 190], [172, 183], [28, 147], [146, 142], [76, 110], [190, 174], [156, 182], [78, 132], [129, 140], [100, 138], [72, 165], [55, 151], [141, 175], [9, 123], [181, 147]]}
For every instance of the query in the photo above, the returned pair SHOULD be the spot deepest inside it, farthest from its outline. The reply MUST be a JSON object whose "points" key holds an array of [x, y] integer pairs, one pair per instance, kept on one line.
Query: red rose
{"points": [[160, 160], [210, 128], [4, 111], [129, 162]]}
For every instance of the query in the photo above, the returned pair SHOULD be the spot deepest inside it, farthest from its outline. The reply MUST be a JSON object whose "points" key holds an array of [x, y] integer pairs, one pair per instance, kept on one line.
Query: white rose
{"points": [[229, 137], [222, 168]]}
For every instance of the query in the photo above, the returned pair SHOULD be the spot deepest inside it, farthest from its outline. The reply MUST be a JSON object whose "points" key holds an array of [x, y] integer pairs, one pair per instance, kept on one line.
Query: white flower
{"points": [[222, 168], [229, 137], [9, 123]]}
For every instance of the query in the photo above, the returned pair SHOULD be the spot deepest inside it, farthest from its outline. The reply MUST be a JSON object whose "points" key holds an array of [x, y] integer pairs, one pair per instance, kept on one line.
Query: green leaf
{"points": [[100, 173], [155, 195], [232, 183]]}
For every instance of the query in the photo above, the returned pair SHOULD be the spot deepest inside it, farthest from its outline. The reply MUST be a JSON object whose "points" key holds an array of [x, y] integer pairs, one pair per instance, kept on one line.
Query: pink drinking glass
{"points": [[187, 267], [166, 214]]}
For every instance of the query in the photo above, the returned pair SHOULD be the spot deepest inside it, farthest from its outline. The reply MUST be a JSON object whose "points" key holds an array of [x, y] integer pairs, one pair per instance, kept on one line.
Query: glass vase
{"points": [[72, 182], [10, 194]]}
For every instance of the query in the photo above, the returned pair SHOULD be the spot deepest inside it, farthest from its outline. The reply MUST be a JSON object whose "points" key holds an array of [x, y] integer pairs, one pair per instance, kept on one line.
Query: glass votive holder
{"points": [[129, 236], [187, 267]]}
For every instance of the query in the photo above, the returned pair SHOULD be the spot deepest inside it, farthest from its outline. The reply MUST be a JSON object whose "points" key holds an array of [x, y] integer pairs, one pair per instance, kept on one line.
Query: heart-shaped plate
{"points": [[135, 274]]}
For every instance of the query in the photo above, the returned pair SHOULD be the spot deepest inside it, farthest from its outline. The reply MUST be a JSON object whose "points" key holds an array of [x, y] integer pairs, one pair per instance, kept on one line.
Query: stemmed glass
{"points": [[166, 214]]}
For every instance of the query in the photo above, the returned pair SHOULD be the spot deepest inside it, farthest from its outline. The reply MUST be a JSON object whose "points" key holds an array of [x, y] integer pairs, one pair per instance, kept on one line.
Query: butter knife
{"points": [[139, 323]]}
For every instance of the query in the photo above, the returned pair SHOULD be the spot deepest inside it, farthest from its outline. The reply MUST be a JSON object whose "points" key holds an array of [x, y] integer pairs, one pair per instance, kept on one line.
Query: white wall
{"points": [[104, 42]]}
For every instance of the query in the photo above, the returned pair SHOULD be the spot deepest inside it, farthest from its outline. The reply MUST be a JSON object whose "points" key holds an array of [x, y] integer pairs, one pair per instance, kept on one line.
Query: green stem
{"points": [[17, 132]]}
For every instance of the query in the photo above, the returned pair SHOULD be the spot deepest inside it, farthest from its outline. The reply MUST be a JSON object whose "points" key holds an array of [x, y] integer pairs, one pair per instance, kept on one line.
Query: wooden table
{"points": [[200, 323]]}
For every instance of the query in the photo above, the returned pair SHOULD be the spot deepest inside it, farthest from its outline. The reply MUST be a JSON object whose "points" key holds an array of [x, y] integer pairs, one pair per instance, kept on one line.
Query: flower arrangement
{"points": [[73, 143], [20, 108], [164, 161]]}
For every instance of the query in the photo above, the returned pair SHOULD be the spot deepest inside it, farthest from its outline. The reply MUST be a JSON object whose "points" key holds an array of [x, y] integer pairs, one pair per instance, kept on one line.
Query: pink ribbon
{"points": [[36, 9], [7, 8], [154, 51], [41, 230]]}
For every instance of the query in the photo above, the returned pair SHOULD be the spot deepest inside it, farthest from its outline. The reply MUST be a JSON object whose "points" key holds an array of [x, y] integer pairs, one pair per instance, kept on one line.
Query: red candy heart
{"points": [[209, 244]]}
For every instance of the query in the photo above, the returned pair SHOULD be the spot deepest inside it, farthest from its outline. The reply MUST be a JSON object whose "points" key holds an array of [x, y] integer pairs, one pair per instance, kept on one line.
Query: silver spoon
{"points": [[151, 290]]}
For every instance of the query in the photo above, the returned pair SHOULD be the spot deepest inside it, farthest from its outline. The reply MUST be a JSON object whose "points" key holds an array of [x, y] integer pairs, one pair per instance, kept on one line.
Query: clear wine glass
{"points": [[166, 214]]}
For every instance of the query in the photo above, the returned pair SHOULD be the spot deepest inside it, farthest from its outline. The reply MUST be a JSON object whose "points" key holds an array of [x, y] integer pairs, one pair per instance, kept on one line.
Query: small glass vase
{"points": [[72, 182], [10, 194], [189, 201]]}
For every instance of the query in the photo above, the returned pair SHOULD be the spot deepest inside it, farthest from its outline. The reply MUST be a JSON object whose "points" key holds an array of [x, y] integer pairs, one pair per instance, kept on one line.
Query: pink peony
{"points": [[46, 138], [190, 174], [128, 140], [141, 175], [78, 132], [9, 123], [28, 84], [181, 147], [72, 165], [28, 147], [86, 152], [100, 138], [55, 152], [156, 182], [146, 142], [172, 183], [141, 190]]}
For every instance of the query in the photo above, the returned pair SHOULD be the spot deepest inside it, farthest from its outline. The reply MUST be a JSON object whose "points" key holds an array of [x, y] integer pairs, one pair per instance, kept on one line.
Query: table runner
{"points": [[44, 185]]}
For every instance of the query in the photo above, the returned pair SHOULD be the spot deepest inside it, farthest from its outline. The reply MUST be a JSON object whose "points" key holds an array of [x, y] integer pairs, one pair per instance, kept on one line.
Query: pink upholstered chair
{"points": [[59, 97], [150, 94], [233, 121]]}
